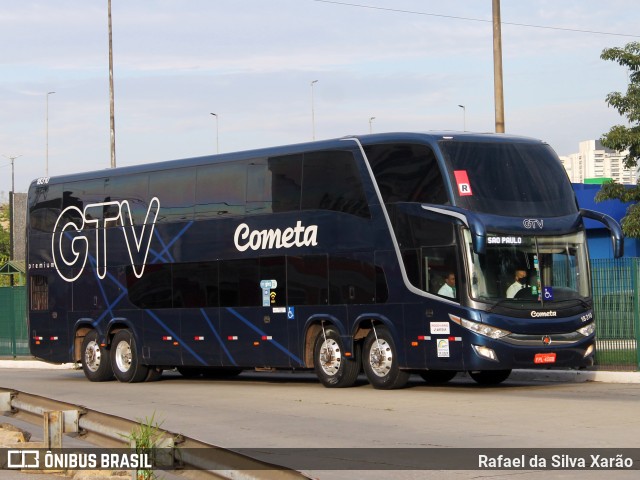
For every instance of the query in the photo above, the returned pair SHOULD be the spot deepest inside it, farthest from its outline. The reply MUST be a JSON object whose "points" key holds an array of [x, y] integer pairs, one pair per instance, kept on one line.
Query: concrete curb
{"points": [[33, 364]]}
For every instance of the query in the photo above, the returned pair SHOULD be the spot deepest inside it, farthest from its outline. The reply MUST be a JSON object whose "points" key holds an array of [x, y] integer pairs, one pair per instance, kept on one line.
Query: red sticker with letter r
{"points": [[462, 179]]}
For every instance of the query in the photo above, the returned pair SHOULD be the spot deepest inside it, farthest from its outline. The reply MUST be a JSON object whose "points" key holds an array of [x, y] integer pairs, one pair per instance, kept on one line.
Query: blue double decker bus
{"points": [[397, 253]]}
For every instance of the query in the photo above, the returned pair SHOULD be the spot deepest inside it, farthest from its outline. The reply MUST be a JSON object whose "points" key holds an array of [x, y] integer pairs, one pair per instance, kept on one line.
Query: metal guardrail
{"points": [[198, 460]]}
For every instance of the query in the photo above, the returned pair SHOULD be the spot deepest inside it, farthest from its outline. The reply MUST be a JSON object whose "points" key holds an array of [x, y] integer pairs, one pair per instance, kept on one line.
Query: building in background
{"points": [[595, 163]]}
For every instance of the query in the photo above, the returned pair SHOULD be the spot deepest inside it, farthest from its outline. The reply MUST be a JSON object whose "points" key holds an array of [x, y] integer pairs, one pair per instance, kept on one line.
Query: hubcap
{"points": [[92, 356], [380, 357], [330, 357], [123, 356]]}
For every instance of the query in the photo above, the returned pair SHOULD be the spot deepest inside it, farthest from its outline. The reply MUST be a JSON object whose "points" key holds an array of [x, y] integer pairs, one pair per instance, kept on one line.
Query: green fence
{"points": [[615, 298], [13, 321]]}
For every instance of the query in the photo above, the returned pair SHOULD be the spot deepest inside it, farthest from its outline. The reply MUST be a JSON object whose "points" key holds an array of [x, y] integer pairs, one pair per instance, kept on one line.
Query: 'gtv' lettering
{"points": [[99, 216]]}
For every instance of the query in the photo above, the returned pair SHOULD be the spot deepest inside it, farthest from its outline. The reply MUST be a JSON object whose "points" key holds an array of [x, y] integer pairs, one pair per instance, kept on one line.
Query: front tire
{"points": [[490, 377], [380, 361], [333, 369], [96, 363], [437, 377], [124, 359]]}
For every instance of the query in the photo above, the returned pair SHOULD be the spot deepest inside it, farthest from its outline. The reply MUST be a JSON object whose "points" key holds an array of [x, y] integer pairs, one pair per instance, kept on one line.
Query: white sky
{"points": [[252, 63]]}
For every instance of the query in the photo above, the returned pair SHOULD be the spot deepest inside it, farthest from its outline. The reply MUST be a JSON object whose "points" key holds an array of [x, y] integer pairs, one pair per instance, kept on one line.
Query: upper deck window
{"points": [[512, 179], [407, 173]]}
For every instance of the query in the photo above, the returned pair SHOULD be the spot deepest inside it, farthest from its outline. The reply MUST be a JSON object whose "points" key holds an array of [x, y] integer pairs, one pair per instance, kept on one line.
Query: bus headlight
{"points": [[481, 328], [587, 329]]}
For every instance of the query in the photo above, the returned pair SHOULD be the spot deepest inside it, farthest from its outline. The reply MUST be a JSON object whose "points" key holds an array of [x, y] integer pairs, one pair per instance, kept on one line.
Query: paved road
{"points": [[294, 410]]}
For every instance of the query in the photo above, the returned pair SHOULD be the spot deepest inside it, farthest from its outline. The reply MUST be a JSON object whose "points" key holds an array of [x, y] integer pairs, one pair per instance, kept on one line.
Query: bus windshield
{"points": [[509, 178], [520, 270]]}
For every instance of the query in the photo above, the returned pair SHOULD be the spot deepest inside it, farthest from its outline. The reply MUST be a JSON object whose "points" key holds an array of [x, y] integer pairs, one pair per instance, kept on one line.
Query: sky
{"points": [[408, 63]]}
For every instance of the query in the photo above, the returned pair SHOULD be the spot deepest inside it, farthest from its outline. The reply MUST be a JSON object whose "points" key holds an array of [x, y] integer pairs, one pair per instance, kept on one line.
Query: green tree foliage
{"points": [[5, 242], [622, 138]]}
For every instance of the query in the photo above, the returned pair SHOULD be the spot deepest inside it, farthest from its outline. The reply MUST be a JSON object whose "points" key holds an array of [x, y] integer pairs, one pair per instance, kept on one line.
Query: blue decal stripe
{"points": [[224, 347], [174, 335], [257, 330]]}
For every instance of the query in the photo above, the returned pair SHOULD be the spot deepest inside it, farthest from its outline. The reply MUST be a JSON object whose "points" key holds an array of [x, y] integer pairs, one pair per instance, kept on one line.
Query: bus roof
{"points": [[431, 138]]}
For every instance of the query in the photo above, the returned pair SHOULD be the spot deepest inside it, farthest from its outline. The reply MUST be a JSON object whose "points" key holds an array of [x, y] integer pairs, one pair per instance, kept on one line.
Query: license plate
{"points": [[544, 358]]}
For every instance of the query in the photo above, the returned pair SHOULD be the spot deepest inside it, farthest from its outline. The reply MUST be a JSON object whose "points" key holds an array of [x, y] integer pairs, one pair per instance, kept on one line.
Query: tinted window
{"points": [[407, 173], [274, 268], [286, 182], [135, 190], [308, 280], [258, 188], [514, 179], [221, 190], [81, 194], [351, 281], [195, 285], [45, 202], [175, 190], [39, 292], [331, 181], [153, 289], [240, 283]]}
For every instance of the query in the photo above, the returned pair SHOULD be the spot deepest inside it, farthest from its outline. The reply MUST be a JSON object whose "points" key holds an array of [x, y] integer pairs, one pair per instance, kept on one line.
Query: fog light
{"points": [[485, 352], [589, 351]]}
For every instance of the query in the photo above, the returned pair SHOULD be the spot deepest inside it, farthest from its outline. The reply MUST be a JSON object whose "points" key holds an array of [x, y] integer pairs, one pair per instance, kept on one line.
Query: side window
{"points": [[81, 194], [407, 173], [45, 202], [286, 182], [220, 190], [240, 283], [274, 268], [39, 292], [195, 285], [174, 189], [135, 190], [258, 188], [153, 289], [331, 181], [351, 280], [308, 280]]}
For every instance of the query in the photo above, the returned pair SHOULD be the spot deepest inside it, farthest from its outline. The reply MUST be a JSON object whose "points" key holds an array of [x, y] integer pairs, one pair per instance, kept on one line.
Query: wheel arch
{"points": [[313, 328]]}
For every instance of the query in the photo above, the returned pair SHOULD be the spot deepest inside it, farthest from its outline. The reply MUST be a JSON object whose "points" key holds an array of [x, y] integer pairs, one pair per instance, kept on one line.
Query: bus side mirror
{"points": [[617, 237]]}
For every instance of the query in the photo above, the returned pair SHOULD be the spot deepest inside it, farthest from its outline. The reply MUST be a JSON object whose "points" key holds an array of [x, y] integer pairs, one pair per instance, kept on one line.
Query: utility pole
{"points": [[112, 121], [497, 67]]}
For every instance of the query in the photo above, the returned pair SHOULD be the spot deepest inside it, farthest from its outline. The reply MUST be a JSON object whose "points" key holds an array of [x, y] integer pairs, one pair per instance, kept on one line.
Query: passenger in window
{"points": [[448, 289], [520, 277]]}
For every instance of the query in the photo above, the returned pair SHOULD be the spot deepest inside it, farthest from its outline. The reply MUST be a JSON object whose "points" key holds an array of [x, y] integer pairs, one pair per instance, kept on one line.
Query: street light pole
{"points": [[313, 113], [12, 207], [371, 119], [46, 165], [464, 117], [497, 67], [217, 141]]}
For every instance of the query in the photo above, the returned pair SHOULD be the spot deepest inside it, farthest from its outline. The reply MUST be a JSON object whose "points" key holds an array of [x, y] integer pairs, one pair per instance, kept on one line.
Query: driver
{"points": [[520, 277]]}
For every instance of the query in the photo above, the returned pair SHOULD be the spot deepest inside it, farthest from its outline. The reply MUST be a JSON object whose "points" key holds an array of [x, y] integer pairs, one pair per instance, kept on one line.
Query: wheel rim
{"points": [[92, 356], [380, 357], [330, 357], [123, 356]]}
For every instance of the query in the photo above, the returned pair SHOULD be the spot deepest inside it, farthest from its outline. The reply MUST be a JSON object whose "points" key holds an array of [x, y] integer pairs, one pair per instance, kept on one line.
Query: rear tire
{"points": [[380, 361], [96, 363], [333, 369], [490, 377], [124, 359]]}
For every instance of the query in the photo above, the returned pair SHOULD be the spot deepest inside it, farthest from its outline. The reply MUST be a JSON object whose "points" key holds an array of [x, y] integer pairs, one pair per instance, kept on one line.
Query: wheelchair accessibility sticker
{"points": [[547, 293]]}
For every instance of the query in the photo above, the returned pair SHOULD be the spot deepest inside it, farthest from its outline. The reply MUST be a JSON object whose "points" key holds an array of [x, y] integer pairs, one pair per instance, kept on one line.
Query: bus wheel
{"points": [[331, 366], [380, 361], [490, 377], [434, 377], [96, 363], [124, 359]]}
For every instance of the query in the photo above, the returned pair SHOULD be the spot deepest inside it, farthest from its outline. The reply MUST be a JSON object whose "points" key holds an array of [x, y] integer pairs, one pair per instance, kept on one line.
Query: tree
{"points": [[625, 138]]}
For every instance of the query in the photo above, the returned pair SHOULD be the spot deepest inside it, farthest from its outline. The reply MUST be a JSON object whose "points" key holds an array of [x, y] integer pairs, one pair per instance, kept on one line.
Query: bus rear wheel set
{"points": [[333, 365]]}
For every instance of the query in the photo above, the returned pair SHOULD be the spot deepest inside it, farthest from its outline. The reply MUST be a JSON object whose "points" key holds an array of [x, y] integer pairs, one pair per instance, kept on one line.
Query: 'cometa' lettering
{"points": [[298, 236]]}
